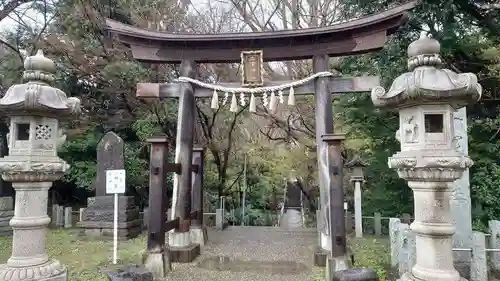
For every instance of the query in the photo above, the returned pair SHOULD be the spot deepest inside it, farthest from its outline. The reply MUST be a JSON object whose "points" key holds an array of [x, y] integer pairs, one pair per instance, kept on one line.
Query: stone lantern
{"points": [[356, 165], [426, 98], [34, 109]]}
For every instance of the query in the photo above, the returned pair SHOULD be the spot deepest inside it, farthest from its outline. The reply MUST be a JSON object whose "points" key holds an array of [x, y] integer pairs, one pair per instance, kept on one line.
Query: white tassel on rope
{"points": [[234, 104], [226, 97], [291, 97], [272, 102], [253, 105], [215, 100]]}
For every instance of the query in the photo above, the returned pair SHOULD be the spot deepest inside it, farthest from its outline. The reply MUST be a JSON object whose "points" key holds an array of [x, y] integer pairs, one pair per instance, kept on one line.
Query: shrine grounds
{"points": [[88, 260]]}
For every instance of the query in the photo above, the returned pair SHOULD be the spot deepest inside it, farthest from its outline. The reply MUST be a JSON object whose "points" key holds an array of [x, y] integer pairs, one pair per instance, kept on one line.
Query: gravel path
{"points": [[252, 254]]}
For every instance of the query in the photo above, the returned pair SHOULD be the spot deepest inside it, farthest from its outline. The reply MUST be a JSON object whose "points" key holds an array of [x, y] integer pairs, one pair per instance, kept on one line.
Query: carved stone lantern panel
{"points": [[33, 135], [428, 126]]}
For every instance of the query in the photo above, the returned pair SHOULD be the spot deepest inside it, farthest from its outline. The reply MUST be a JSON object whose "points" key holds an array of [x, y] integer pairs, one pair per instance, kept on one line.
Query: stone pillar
{"points": [[35, 110], [358, 214], [429, 160], [433, 227], [60, 216], [461, 201], [80, 214], [68, 217], [198, 229], [394, 226], [30, 224]]}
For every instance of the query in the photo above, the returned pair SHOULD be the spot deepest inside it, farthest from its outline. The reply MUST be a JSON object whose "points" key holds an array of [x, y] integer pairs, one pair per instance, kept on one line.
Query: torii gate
{"points": [[359, 36]]}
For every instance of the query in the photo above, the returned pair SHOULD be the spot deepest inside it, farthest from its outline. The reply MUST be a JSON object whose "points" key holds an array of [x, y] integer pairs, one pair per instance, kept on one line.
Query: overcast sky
{"points": [[10, 22]]}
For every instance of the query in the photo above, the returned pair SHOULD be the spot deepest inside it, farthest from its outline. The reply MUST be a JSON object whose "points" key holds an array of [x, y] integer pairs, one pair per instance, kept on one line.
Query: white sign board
{"points": [[115, 184], [115, 181]]}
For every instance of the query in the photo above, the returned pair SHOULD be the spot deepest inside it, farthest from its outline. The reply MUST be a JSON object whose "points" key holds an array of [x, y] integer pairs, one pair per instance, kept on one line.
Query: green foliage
{"points": [[374, 254], [80, 152]]}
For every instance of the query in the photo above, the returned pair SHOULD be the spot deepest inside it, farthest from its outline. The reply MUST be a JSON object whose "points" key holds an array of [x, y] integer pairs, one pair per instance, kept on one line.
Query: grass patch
{"points": [[374, 253], [369, 252], [86, 259]]}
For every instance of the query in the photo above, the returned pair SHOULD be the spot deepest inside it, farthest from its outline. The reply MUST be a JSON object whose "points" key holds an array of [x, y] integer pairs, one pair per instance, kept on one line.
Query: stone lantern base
{"points": [[409, 277], [49, 271]]}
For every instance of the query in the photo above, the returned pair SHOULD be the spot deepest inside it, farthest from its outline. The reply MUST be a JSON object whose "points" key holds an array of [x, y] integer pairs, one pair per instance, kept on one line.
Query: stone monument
{"points": [[427, 98], [461, 201], [35, 110], [97, 218]]}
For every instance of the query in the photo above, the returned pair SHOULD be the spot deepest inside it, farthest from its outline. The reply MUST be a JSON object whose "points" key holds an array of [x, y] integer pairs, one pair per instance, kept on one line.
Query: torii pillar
{"points": [[182, 249]]}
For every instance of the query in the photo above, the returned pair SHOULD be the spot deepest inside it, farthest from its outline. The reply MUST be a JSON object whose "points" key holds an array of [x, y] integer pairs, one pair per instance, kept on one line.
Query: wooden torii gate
{"points": [[359, 36]]}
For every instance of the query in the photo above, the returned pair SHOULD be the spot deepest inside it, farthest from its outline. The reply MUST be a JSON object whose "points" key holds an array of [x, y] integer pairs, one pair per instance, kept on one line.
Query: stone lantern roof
{"points": [[37, 96], [427, 82], [355, 162]]}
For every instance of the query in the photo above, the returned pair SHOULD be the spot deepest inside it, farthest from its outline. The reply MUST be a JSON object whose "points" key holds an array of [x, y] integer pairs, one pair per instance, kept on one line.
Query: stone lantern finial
{"points": [[424, 46], [39, 68]]}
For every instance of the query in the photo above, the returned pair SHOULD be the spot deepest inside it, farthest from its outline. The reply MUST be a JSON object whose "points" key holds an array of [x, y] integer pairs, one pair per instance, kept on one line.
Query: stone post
{"points": [[80, 214], [461, 201], [358, 214], [68, 217], [377, 224], [494, 227], [427, 98], [394, 226], [35, 110], [356, 166], [55, 207], [60, 216]]}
